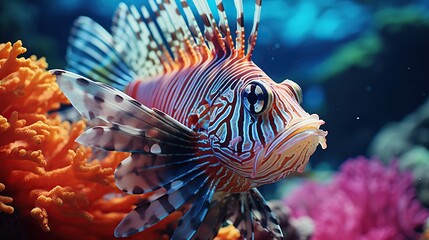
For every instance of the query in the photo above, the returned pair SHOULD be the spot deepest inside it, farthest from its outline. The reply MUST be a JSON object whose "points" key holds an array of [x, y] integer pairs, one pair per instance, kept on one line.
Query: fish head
{"points": [[259, 130]]}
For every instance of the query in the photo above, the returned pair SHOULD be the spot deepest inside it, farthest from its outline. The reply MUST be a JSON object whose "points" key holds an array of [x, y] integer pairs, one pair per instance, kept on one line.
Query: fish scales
{"points": [[204, 124]]}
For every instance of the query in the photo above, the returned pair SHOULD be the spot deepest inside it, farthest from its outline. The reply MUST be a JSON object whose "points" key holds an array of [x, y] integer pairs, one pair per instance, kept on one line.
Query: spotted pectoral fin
{"points": [[243, 220], [168, 159], [126, 139], [246, 207], [215, 217], [150, 213], [265, 216], [191, 221], [98, 100], [145, 173]]}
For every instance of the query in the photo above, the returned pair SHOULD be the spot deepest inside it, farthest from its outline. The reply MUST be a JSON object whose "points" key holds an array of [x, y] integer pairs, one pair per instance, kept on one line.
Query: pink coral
{"points": [[365, 200]]}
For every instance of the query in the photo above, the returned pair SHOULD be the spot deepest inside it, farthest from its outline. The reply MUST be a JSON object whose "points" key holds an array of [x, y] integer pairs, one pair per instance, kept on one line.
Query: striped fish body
{"points": [[204, 124], [180, 92], [193, 102]]}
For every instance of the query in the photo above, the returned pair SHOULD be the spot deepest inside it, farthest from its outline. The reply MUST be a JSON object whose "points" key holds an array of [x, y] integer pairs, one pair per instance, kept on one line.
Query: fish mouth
{"points": [[298, 129], [291, 148]]}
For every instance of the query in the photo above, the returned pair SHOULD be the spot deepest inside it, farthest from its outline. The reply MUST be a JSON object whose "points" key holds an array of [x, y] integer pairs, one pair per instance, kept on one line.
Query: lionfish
{"points": [[204, 125]]}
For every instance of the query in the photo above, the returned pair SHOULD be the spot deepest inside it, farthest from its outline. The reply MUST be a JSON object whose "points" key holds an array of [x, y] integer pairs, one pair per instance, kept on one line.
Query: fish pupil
{"points": [[252, 98]]}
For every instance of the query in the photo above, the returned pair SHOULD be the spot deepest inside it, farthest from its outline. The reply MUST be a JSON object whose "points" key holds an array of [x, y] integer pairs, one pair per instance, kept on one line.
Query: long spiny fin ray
{"points": [[244, 207], [267, 219], [208, 31], [254, 34], [211, 30], [145, 36], [140, 47], [134, 177], [163, 21], [125, 40], [123, 139], [156, 41], [187, 43], [245, 225], [193, 24], [239, 42], [173, 31], [190, 222], [150, 213], [223, 24], [179, 36], [92, 53], [144, 161], [216, 215], [97, 100]]}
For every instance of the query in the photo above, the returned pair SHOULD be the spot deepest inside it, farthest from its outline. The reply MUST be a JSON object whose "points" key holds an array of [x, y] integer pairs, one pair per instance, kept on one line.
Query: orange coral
{"points": [[228, 233], [45, 173]]}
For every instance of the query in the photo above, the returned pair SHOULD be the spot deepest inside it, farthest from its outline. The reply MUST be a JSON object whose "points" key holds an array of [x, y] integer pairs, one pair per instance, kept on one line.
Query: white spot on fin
{"points": [[155, 149]]}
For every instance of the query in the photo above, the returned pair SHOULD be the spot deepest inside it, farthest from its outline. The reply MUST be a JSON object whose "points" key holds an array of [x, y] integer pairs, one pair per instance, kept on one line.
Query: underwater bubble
{"points": [[369, 88]]}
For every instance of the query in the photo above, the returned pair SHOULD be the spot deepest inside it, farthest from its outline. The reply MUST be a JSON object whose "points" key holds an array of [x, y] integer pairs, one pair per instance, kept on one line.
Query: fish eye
{"points": [[257, 97], [296, 90]]}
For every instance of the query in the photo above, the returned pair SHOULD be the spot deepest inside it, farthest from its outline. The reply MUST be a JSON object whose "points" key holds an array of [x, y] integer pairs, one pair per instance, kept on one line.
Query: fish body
{"points": [[205, 125]]}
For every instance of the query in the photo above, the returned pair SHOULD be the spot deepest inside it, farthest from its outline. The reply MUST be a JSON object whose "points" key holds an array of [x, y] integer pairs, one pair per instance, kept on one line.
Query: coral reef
{"points": [[411, 147], [228, 233], [60, 190], [365, 200], [43, 172]]}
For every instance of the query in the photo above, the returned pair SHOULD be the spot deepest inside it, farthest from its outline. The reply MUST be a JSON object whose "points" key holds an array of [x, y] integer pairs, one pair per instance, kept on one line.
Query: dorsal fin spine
{"points": [[223, 25], [195, 30], [213, 37], [121, 32], [153, 66], [185, 47], [157, 42], [254, 34], [239, 42], [189, 42], [140, 47], [162, 20], [217, 36], [207, 31]]}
